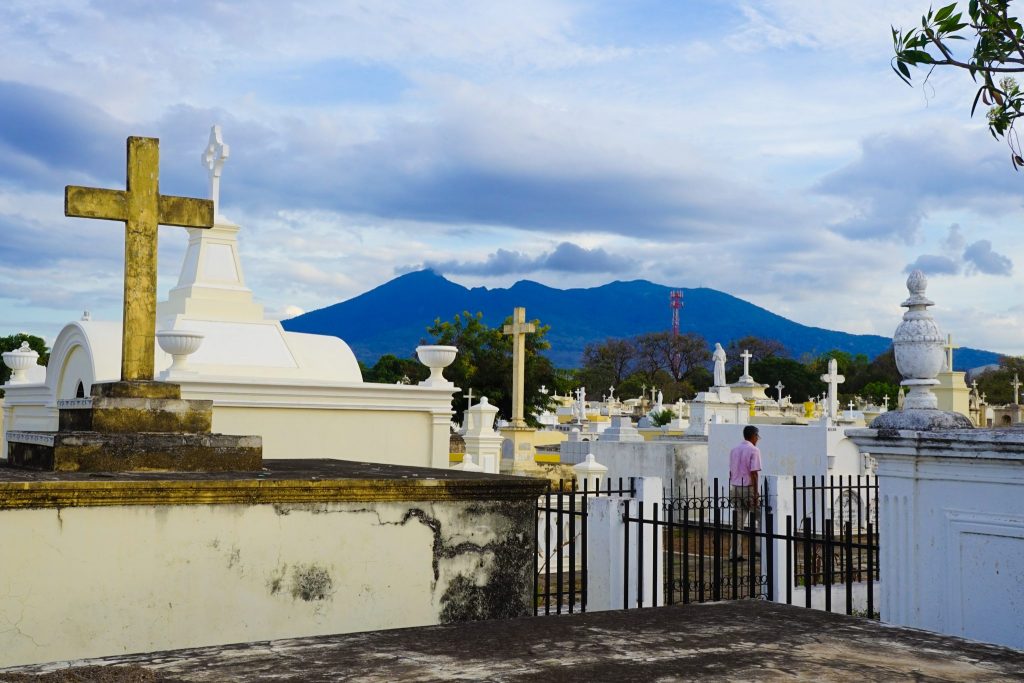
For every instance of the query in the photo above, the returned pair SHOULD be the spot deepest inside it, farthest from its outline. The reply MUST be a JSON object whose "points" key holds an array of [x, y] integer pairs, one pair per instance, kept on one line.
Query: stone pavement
{"points": [[728, 641]]}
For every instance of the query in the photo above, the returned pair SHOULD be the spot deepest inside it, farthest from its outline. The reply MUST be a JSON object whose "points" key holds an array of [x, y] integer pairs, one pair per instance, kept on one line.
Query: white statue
{"points": [[719, 358], [659, 405]]}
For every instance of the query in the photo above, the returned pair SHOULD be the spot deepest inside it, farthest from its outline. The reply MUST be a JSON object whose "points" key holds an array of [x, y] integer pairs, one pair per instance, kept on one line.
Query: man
{"points": [[744, 467]]}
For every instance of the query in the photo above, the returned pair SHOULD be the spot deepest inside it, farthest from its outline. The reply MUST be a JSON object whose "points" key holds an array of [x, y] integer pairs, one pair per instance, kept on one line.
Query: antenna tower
{"points": [[675, 299]]}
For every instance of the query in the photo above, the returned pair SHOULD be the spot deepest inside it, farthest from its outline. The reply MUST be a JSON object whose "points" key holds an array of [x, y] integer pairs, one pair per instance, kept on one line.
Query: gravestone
{"points": [[136, 424]]}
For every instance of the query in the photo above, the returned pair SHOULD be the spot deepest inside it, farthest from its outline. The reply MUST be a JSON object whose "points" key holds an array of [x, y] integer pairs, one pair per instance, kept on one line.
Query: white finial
{"points": [[918, 344], [86, 315], [213, 158]]}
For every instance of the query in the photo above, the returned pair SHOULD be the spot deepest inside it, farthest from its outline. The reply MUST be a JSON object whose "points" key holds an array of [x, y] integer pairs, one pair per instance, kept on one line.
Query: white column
{"points": [[481, 439], [780, 497]]}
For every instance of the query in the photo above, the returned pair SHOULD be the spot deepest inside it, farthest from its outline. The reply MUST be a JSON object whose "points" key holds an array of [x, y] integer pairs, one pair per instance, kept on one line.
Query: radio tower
{"points": [[675, 298]]}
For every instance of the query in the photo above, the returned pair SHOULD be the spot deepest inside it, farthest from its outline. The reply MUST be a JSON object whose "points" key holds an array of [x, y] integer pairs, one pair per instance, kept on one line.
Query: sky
{"points": [[765, 149]]}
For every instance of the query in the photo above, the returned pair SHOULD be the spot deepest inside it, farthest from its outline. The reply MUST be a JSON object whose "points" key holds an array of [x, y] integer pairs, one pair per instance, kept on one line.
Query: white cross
{"points": [[746, 362], [469, 398], [949, 352], [851, 406], [780, 386], [885, 400], [611, 392], [1016, 388], [833, 379], [214, 156]]}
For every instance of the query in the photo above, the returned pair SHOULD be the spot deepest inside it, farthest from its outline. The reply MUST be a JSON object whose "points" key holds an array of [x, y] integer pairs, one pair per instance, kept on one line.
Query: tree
{"points": [[484, 363], [676, 354], [995, 383], [13, 343], [877, 391], [607, 363], [998, 50], [758, 348], [798, 380], [390, 369]]}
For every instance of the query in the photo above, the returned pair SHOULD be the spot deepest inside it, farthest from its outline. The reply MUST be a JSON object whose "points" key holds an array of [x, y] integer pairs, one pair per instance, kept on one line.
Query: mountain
{"points": [[393, 318]]}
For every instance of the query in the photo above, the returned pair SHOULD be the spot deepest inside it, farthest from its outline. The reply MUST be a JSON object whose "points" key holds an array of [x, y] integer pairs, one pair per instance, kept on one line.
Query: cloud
{"points": [[981, 259], [566, 258], [933, 264], [887, 195], [955, 241]]}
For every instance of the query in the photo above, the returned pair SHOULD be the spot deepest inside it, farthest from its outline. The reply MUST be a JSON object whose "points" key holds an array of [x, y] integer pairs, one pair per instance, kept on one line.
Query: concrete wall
{"points": [[952, 531], [96, 581], [670, 461]]}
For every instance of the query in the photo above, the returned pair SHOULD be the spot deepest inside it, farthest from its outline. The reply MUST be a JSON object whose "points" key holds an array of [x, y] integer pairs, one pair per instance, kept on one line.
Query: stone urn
{"points": [[918, 346], [19, 361], [180, 344], [437, 358]]}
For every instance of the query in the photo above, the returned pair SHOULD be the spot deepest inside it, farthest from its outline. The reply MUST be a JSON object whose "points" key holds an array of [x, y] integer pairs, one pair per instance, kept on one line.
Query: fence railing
{"points": [[560, 544], [793, 545]]}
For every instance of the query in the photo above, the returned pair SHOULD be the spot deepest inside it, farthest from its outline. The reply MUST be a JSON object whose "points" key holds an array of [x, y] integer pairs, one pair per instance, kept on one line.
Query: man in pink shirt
{"points": [[744, 466]]}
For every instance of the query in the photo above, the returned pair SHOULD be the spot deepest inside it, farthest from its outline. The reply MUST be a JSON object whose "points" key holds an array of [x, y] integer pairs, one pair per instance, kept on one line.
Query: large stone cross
{"points": [[142, 208], [949, 352], [780, 386], [1016, 389], [518, 330], [214, 156], [833, 379]]}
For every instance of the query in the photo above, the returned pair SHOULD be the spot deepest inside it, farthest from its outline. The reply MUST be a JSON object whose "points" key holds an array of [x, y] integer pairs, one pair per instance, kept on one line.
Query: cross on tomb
{"points": [[833, 379], [746, 356], [518, 329], [213, 158], [885, 400], [780, 386], [851, 406], [469, 398], [949, 352], [141, 207], [611, 392], [1016, 389]]}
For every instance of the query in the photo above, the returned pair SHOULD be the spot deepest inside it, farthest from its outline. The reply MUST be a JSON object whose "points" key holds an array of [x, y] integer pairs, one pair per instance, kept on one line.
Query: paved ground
{"points": [[730, 641]]}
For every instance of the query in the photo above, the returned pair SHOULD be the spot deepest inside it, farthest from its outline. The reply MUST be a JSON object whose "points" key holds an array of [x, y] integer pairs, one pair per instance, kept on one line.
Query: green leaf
{"points": [[916, 57], [904, 70], [945, 12]]}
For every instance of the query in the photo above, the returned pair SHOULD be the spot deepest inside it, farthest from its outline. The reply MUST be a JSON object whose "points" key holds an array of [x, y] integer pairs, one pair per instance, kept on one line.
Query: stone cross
{"points": [[1016, 389], [142, 208], [780, 386], [746, 356], [214, 156], [833, 379], [611, 392], [851, 406], [518, 330], [885, 400], [469, 398], [949, 352]]}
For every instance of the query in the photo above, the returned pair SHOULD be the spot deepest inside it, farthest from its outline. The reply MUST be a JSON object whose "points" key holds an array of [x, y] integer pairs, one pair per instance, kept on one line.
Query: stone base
{"points": [[129, 415], [137, 452], [921, 420]]}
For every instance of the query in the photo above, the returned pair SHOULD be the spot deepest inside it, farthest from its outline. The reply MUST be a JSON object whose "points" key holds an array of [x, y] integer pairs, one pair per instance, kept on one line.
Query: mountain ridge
{"points": [[393, 317]]}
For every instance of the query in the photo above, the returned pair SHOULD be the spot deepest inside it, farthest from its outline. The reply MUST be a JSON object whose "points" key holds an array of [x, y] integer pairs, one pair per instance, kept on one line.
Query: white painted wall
{"points": [[952, 531], [97, 581], [675, 460]]}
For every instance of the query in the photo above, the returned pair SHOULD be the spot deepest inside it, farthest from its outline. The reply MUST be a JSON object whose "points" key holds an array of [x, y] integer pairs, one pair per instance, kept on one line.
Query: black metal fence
{"points": [[702, 545], [560, 544]]}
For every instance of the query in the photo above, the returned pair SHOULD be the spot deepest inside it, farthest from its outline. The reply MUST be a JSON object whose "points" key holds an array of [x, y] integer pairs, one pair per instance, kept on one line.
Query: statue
{"points": [[719, 358]]}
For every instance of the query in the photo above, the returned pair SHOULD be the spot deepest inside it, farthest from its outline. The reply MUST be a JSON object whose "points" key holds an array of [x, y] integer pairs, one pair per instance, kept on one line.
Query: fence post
{"points": [[606, 557], [780, 497]]}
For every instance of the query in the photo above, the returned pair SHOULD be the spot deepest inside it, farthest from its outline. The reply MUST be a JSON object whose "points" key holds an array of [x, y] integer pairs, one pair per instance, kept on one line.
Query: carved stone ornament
{"points": [[19, 362], [919, 346]]}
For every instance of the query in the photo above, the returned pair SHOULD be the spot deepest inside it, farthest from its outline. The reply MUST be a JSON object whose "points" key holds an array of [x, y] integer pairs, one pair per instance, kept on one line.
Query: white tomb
{"points": [[303, 393]]}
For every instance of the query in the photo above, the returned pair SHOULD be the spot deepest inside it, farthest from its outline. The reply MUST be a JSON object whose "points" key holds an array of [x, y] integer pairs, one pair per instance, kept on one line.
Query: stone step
{"points": [[111, 415], [90, 451]]}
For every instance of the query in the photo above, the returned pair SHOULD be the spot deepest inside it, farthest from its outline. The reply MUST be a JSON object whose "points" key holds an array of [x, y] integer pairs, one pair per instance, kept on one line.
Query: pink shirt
{"points": [[743, 460]]}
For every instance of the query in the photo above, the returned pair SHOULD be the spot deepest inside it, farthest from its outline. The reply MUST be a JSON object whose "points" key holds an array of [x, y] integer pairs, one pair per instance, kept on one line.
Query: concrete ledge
{"points": [[280, 481], [747, 640]]}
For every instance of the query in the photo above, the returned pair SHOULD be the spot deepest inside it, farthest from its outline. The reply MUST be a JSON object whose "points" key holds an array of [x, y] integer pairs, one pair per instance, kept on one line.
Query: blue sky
{"points": [[760, 148]]}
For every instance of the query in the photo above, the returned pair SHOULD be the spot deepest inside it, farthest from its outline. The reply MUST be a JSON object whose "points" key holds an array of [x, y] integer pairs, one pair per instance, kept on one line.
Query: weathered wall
{"points": [[670, 461], [95, 581]]}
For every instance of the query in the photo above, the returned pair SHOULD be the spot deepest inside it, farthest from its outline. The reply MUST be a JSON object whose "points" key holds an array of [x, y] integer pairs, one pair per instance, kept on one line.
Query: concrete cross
{"points": [[518, 329], [141, 207], [949, 352], [213, 158], [833, 379], [611, 392], [746, 363], [1016, 388], [780, 386], [469, 398], [885, 400], [851, 406]]}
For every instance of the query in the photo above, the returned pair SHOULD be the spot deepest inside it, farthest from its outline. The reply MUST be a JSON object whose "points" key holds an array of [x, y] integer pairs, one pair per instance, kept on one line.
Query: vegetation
{"points": [[998, 50], [484, 363], [996, 383], [12, 343]]}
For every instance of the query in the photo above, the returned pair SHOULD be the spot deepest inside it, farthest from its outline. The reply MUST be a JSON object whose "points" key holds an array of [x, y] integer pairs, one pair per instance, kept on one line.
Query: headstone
{"points": [[833, 379]]}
